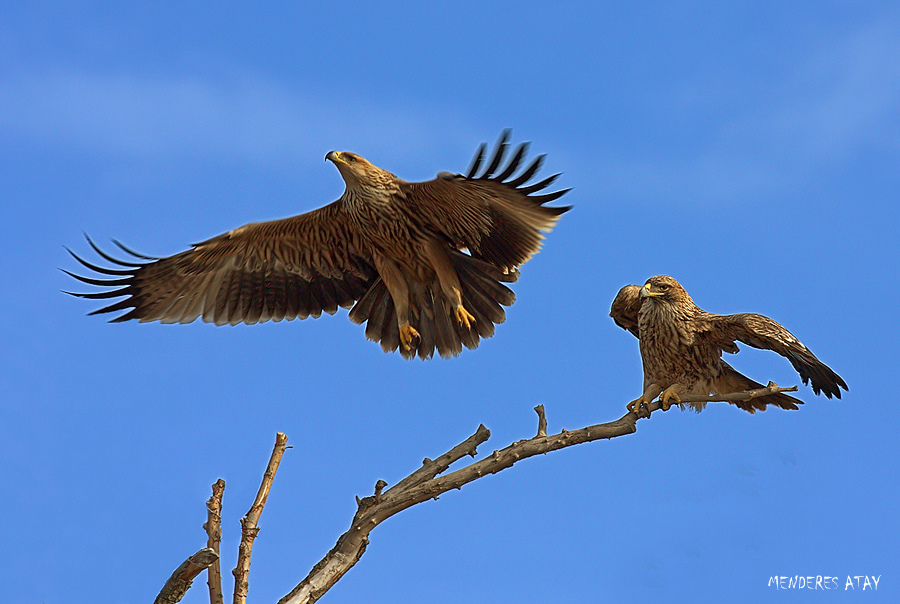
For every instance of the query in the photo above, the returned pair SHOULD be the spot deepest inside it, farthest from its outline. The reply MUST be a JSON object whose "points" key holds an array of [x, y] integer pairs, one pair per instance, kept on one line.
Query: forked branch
{"points": [[427, 482]]}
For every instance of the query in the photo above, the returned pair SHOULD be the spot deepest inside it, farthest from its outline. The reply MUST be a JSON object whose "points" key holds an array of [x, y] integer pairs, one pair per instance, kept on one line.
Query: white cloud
{"points": [[245, 116], [841, 99]]}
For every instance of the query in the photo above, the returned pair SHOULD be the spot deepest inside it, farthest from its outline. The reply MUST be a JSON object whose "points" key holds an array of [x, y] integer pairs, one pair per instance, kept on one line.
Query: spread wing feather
{"points": [[625, 309], [498, 220], [762, 332], [282, 269]]}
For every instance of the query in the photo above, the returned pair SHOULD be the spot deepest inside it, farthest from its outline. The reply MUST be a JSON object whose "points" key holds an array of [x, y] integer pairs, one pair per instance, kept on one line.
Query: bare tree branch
{"points": [[184, 575], [424, 484], [249, 528], [213, 527]]}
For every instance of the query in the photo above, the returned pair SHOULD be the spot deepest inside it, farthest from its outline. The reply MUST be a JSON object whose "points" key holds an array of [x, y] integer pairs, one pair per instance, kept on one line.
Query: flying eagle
{"points": [[682, 345], [422, 263]]}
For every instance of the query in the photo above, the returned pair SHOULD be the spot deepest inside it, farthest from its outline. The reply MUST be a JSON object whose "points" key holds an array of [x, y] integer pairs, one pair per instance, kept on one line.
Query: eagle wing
{"points": [[282, 269], [494, 215], [762, 332], [625, 309]]}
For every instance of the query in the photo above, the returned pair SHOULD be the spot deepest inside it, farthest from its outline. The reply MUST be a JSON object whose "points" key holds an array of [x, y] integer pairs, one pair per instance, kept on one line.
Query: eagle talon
{"points": [[464, 317], [670, 393], [639, 407], [407, 335]]}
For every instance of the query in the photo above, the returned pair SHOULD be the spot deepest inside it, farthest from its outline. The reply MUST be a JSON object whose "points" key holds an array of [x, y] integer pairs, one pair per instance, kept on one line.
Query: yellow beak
{"points": [[647, 291]]}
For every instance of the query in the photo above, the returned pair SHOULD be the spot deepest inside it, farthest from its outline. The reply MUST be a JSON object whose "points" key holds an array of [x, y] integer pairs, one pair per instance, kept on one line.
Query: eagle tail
{"points": [[483, 293], [731, 380]]}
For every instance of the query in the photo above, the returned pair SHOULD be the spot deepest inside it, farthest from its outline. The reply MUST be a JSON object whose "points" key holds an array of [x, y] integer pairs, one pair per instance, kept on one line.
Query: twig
{"points": [[542, 421], [184, 575], [249, 528], [424, 484], [213, 527]]}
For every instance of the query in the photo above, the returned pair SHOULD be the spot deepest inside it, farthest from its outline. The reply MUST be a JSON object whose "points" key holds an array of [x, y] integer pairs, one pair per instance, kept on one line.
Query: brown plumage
{"points": [[425, 263], [682, 345]]}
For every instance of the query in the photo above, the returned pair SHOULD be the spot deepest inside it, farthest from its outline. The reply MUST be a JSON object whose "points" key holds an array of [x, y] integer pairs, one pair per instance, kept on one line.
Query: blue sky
{"points": [[749, 150]]}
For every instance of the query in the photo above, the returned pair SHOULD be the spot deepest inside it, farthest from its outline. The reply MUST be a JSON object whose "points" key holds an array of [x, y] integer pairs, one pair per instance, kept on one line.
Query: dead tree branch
{"points": [[746, 395], [542, 420], [184, 575], [422, 484], [425, 483], [249, 529], [213, 527]]}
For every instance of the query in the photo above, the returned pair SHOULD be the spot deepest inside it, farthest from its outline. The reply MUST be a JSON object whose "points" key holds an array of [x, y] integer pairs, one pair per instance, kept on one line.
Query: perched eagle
{"points": [[682, 345], [423, 263]]}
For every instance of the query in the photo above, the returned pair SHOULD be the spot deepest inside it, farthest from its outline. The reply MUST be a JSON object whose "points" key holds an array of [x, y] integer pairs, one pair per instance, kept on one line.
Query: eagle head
{"points": [[663, 288], [360, 174]]}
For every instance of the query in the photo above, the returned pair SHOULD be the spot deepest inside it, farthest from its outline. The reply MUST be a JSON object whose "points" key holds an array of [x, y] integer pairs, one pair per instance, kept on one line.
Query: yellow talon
{"points": [[464, 317], [640, 406], [670, 393], [407, 335]]}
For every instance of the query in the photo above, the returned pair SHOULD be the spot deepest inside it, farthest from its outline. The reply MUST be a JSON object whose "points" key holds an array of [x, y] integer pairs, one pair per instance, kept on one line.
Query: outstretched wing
{"points": [[283, 269], [625, 308], [494, 215], [762, 332]]}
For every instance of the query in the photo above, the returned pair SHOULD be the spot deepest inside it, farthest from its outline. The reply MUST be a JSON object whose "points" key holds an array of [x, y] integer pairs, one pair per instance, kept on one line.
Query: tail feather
{"points": [[445, 336], [731, 380], [426, 329], [432, 316], [377, 309]]}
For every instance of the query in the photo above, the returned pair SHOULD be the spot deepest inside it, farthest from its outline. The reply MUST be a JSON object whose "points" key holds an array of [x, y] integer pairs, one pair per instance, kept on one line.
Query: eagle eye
{"points": [[351, 158]]}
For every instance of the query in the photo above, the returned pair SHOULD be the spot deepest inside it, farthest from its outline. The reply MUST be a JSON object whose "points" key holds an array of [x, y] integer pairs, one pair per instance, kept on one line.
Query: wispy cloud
{"points": [[832, 103], [836, 102], [243, 116]]}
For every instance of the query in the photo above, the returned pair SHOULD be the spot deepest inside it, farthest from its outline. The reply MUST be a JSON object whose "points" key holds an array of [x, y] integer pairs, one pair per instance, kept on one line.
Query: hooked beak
{"points": [[647, 292], [334, 156]]}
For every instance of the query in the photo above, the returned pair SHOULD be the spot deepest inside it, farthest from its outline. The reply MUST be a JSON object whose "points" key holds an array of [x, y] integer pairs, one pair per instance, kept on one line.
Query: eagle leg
{"points": [[449, 280], [641, 406], [668, 394], [398, 288]]}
